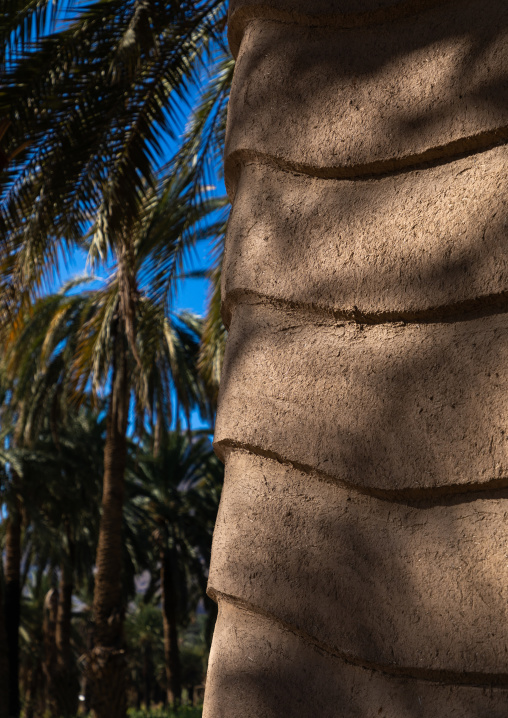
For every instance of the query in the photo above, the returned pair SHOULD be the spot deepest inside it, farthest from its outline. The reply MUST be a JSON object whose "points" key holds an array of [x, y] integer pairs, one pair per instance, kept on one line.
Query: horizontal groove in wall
{"points": [[379, 169], [336, 103], [469, 310], [365, 391], [372, 579], [422, 246], [423, 497], [239, 17], [439, 676], [256, 669]]}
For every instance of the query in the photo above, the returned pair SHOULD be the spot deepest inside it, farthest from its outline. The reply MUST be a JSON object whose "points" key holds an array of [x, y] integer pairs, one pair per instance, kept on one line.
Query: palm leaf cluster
{"points": [[116, 344], [60, 493], [89, 111]]}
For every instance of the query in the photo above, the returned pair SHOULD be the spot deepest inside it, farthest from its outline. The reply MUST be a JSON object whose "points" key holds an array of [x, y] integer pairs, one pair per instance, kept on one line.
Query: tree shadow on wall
{"points": [[398, 407]]}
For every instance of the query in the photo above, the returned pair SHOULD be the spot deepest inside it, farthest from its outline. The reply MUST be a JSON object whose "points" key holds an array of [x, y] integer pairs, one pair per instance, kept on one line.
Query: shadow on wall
{"points": [[420, 244], [282, 675], [405, 588], [362, 538], [339, 103]]}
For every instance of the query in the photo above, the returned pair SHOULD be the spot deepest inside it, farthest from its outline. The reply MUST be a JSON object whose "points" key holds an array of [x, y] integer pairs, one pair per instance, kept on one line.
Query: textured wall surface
{"points": [[360, 557]]}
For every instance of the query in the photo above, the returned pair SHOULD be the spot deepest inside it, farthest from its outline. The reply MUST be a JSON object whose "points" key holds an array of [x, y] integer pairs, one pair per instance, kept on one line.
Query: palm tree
{"points": [[108, 596], [30, 398], [203, 145], [118, 339], [4, 657], [4, 663], [34, 639], [63, 470], [182, 485], [62, 102], [146, 647], [13, 593], [95, 103], [22, 23], [13, 501], [56, 472]]}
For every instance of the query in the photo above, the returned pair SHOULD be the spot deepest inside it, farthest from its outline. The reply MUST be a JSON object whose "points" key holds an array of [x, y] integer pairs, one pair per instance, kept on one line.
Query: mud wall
{"points": [[360, 557]]}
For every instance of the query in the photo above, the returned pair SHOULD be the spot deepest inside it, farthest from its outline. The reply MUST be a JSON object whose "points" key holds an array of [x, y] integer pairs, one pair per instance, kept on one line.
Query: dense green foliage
{"points": [[171, 498], [183, 712]]}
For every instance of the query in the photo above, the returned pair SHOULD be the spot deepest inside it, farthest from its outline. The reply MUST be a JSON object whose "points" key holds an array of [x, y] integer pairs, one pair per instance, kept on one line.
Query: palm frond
{"points": [[96, 102]]}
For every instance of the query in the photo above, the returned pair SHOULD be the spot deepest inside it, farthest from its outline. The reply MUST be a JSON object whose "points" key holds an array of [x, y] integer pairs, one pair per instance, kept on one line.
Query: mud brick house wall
{"points": [[360, 558]]}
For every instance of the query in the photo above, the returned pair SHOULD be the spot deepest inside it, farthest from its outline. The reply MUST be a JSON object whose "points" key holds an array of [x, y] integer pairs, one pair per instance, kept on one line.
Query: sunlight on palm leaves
{"points": [[105, 83]]}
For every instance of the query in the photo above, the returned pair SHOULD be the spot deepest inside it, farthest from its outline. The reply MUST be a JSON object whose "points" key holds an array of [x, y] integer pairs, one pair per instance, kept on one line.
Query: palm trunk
{"points": [[86, 681], [171, 651], [67, 675], [50, 656], [32, 689], [106, 665], [12, 604], [4, 663]]}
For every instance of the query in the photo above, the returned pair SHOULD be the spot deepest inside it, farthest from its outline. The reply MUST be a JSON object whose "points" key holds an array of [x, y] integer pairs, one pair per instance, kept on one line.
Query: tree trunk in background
{"points": [[169, 617], [66, 678], [49, 665], [4, 663], [106, 664], [34, 682], [12, 603], [86, 681], [359, 556]]}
